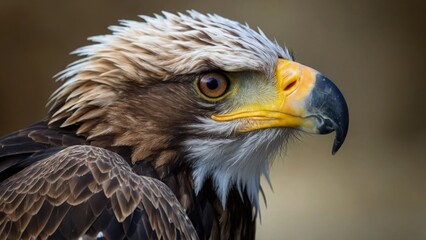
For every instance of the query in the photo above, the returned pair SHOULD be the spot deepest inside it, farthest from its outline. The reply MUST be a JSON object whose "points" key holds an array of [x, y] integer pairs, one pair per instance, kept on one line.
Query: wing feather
{"points": [[85, 190], [27, 146]]}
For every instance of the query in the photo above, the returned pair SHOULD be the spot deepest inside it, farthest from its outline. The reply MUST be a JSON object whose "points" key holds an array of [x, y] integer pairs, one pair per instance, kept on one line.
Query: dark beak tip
{"points": [[341, 130], [336, 146], [335, 110]]}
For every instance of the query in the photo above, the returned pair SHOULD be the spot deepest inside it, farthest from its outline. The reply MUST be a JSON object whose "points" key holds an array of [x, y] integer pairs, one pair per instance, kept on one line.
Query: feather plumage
{"points": [[49, 197]]}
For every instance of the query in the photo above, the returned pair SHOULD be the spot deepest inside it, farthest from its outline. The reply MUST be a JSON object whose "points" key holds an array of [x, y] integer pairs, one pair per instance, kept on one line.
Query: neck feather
{"points": [[237, 162]]}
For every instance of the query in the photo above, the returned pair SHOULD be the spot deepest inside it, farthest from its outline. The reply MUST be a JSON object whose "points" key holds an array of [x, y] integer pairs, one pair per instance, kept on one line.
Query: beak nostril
{"points": [[290, 85]]}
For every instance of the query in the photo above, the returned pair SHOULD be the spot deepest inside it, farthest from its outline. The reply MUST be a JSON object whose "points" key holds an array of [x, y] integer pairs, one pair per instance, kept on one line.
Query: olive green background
{"points": [[374, 188]]}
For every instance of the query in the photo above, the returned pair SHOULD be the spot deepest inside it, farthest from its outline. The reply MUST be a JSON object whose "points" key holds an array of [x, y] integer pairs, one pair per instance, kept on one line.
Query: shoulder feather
{"points": [[47, 199]]}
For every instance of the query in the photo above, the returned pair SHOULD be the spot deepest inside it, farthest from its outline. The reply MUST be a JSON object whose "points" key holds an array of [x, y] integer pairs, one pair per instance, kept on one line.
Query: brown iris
{"points": [[213, 85]]}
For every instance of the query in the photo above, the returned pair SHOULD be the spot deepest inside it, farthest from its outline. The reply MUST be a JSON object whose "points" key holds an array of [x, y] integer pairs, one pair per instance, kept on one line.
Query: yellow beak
{"points": [[304, 99]]}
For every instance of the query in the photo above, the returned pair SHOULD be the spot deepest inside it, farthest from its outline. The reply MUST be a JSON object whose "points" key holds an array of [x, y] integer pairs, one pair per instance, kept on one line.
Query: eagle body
{"points": [[162, 130]]}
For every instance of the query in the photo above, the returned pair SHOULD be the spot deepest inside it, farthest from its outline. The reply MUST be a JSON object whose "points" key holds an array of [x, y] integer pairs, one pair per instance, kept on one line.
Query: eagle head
{"points": [[199, 91]]}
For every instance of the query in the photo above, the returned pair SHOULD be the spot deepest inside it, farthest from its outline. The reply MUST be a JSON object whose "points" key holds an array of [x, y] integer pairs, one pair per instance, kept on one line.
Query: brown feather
{"points": [[79, 183]]}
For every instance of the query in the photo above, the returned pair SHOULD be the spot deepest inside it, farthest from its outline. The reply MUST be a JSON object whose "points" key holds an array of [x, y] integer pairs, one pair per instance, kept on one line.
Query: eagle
{"points": [[162, 130]]}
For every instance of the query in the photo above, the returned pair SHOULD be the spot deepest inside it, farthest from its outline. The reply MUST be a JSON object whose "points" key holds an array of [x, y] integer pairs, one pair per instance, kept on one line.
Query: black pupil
{"points": [[212, 83]]}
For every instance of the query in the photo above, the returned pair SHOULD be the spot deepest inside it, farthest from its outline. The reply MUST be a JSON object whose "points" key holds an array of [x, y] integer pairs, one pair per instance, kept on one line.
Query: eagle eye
{"points": [[213, 85]]}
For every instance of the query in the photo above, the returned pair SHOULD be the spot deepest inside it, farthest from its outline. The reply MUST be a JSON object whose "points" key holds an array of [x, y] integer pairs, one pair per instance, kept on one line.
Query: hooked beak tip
{"points": [[330, 105]]}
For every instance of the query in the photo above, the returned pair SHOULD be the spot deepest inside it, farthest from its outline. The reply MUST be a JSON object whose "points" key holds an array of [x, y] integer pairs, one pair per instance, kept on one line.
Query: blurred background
{"points": [[373, 188]]}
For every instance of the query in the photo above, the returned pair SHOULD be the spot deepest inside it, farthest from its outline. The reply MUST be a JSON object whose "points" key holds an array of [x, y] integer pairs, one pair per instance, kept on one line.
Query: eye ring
{"points": [[213, 85]]}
